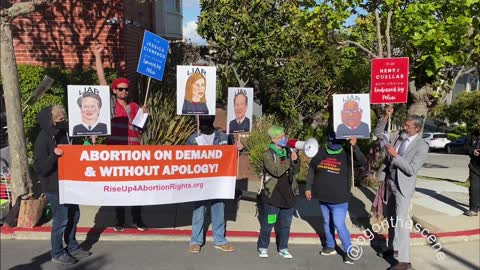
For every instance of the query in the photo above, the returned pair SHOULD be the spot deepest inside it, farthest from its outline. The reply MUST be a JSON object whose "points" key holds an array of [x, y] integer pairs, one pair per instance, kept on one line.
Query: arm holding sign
{"points": [[97, 52]]}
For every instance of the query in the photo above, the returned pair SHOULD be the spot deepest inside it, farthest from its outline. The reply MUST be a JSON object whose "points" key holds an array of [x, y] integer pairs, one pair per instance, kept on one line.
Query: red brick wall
{"points": [[62, 33]]}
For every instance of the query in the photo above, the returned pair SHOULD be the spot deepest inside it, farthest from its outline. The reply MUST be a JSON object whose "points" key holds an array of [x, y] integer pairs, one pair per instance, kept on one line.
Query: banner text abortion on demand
{"points": [[137, 155]]}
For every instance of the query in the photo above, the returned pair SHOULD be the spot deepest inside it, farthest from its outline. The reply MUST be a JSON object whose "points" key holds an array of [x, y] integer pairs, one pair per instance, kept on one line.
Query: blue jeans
{"points": [[281, 219], [64, 225], [338, 211], [217, 209]]}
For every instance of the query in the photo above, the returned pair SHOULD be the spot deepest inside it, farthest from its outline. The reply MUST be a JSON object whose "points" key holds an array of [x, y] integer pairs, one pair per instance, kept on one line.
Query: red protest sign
{"points": [[389, 82]]}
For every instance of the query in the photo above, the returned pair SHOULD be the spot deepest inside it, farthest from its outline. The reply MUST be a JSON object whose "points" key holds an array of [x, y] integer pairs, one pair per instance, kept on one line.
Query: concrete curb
{"points": [[43, 233]]}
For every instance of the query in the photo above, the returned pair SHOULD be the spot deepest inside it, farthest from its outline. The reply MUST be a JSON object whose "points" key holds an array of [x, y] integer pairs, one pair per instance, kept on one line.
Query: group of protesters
{"points": [[329, 180]]}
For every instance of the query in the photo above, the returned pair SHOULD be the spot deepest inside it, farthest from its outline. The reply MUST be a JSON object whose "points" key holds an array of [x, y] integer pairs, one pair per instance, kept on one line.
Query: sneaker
{"points": [[80, 253], [328, 251], [348, 260], [65, 259], [471, 213], [194, 249], [141, 227], [118, 228], [285, 254], [225, 247], [262, 253]]}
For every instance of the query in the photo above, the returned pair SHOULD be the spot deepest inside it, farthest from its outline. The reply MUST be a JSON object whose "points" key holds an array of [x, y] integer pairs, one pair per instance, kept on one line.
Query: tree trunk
{"points": [[20, 181]]}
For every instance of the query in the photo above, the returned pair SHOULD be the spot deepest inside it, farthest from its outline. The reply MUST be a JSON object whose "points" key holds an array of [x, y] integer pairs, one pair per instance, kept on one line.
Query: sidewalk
{"points": [[437, 205]]}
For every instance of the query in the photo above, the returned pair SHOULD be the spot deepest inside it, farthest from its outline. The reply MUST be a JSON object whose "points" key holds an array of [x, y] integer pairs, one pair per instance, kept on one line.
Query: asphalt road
{"points": [[120, 255]]}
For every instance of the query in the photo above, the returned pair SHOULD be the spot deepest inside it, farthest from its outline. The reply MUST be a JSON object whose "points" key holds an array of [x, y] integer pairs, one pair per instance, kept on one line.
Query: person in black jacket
{"points": [[473, 146], [329, 180], [45, 156]]}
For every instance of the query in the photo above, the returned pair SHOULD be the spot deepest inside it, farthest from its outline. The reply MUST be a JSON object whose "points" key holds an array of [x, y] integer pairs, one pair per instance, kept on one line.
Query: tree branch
{"points": [[20, 9], [379, 34], [387, 33], [349, 42]]}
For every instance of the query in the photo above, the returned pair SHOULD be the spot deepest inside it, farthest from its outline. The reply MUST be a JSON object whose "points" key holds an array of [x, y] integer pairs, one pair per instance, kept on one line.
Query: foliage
{"points": [[164, 126], [257, 142], [441, 38], [452, 136], [464, 109], [250, 37]]}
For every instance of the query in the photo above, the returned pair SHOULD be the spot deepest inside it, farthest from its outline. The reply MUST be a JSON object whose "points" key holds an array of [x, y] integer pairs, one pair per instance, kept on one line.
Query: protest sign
{"points": [[240, 109], [146, 175], [196, 90], [351, 115], [389, 80], [88, 110], [153, 56]]}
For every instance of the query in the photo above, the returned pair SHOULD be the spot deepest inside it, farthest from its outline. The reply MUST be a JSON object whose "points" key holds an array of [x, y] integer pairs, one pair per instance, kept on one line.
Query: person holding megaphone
{"points": [[278, 192], [329, 179]]}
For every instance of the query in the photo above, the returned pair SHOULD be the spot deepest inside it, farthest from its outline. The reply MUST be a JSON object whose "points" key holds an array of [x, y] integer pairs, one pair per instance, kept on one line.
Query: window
{"points": [[441, 136]]}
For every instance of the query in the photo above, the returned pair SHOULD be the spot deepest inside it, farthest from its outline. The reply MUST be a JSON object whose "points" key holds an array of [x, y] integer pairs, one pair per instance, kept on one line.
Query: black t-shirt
{"points": [[331, 183], [282, 195]]}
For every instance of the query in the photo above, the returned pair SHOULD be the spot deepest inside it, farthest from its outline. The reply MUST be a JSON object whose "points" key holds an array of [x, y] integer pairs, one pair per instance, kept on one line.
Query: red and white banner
{"points": [[389, 80], [146, 175]]}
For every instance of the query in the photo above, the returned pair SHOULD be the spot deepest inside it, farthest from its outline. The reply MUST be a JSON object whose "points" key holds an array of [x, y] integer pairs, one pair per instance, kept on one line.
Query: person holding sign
{"points": [[209, 136], [123, 131], [352, 124], [90, 105], [329, 180], [278, 192], [195, 101], [45, 162], [406, 153], [241, 123]]}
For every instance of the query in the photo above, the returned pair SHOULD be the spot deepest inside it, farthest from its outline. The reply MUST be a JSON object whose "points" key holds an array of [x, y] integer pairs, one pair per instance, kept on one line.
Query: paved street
{"points": [[119, 255], [446, 166]]}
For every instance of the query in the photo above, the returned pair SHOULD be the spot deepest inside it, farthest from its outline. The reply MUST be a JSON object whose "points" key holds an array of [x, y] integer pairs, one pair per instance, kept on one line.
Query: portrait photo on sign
{"points": [[88, 110], [351, 115], [196, 90], [239, 112]]}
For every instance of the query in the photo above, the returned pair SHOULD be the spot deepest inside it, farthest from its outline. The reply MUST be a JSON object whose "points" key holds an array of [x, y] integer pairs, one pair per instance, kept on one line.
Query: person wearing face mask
{"points": [[329, 180], [209, 136], [278, 192], [45, 161], [406, 153], [472, 144]]}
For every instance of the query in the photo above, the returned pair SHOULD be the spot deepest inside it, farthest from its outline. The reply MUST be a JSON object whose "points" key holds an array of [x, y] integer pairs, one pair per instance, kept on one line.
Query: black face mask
{"points": [[63, 126], [206, 124], [207, 129]]}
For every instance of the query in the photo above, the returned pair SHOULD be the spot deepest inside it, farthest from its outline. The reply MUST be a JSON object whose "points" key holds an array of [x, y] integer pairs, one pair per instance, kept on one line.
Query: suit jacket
{"points": [[402, 169], [362, 131], [81, 130], [235, 127]]}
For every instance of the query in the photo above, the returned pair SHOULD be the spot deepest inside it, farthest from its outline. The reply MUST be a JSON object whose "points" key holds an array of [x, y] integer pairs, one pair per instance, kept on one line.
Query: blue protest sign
{"points": [[153, 56]]}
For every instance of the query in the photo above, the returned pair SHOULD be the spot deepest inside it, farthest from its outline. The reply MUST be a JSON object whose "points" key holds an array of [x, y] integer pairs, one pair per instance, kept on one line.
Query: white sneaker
{"points": [[262, 253], [285, 254]]}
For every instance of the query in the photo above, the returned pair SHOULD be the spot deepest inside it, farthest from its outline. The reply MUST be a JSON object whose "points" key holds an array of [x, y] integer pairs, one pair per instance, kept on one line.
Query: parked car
{"points": [[457, 146], [436, 140]]}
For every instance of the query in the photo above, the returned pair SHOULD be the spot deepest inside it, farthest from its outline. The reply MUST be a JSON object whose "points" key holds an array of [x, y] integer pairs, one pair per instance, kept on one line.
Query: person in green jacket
{"points": [[279, 189]]}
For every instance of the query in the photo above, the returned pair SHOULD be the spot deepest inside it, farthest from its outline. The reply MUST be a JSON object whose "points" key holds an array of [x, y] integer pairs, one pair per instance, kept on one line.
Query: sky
{"points": [[191, 10]]}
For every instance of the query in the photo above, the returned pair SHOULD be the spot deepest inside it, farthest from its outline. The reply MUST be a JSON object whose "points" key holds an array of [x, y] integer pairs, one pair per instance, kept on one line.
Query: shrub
{"points": [[452, 136], [164, 126], [257, 142]]}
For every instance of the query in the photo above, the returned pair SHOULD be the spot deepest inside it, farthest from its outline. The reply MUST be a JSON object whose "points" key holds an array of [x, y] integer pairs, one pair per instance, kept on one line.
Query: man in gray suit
{"points": [[406, 153]]}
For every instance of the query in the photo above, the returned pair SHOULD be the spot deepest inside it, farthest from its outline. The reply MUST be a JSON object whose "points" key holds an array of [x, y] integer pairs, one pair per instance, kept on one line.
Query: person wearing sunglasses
{"points": [[352, 124], [123, 131]]}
